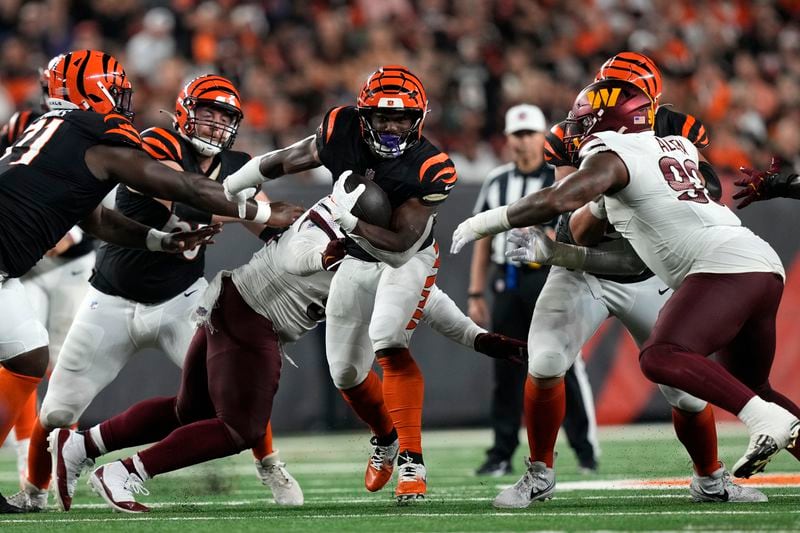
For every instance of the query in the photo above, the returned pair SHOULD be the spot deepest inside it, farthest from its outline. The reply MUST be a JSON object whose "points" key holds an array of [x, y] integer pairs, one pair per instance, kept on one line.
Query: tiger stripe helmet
{"points": [[213, 91], [90, 80], [636, 68], [393, 88]]}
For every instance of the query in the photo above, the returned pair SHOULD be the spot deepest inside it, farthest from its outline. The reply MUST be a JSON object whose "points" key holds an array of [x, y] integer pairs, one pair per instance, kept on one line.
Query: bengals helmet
{"points": [[395, 89], [607, 105], [212, 91], [636, 68], [44, 79], [89, 80]]}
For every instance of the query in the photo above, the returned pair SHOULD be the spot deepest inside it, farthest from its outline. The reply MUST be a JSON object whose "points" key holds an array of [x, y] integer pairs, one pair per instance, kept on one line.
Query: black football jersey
{"points": [[423, 171], [151, 277], [45, 185]]}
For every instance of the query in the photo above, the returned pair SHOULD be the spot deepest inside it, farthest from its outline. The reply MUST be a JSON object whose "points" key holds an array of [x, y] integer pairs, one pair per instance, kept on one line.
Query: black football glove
{"points": [[333, 255], [499, 346]]}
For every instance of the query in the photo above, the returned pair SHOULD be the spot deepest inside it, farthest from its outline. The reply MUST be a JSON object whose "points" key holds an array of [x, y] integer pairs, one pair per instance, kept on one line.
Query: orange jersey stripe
{"points": [[432, 160], [151, 146], [687, 126], [331, 120], [446, 170], [124, 133]]}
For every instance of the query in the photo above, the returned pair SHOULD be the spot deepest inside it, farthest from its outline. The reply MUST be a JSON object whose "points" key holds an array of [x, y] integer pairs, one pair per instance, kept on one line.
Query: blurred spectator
{"points": [[152, 45]]}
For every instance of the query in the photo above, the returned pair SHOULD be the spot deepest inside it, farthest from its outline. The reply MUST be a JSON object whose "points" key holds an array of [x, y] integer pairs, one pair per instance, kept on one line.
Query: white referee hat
{"points": [[525, 117]]}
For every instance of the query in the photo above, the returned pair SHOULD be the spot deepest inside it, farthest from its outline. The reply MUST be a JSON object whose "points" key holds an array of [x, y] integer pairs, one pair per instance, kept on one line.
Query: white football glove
{"points": [[482, 225], [240, 198], [343, 202], [531, 245]]}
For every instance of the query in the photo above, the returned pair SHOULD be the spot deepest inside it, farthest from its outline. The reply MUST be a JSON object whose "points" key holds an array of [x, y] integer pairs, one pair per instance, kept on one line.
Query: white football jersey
{"points": [[667, 215], [295, 304]]}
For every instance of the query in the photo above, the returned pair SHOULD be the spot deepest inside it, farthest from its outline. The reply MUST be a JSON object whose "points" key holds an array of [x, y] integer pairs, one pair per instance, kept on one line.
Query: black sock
{"points": [[410, 457], [386, 440]]}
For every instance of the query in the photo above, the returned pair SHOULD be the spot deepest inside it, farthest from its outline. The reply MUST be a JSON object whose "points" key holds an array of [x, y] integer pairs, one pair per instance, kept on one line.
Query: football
{"points": [[373, 205]]}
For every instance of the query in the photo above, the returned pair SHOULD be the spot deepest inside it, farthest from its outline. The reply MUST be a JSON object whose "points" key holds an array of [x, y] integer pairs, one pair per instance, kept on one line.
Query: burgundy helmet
{"points": [[607, 105]]}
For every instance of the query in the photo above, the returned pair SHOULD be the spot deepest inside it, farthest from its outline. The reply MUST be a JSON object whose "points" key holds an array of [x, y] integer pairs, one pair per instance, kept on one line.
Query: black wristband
{"points": [[474, 295]]}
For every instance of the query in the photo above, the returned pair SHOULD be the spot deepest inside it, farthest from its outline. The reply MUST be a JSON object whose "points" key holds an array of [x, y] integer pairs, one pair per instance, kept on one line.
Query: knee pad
{"points": [[682, 400], [346, 375], [546, 365], [245, 431], [57, 418]]}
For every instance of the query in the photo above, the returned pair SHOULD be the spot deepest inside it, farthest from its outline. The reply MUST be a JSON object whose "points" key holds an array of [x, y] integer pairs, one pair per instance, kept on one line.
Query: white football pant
{"points": [[106, 332], [573, 305], [372, 306], [20, 329], [55, 287]]}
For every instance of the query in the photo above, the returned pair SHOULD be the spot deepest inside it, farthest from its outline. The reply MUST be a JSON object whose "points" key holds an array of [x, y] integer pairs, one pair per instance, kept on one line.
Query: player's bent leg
{"points": [[273, 473]]}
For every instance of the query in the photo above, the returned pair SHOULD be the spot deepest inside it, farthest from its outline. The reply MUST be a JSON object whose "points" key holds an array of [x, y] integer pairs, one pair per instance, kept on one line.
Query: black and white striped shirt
{"points": [[505, 185]]}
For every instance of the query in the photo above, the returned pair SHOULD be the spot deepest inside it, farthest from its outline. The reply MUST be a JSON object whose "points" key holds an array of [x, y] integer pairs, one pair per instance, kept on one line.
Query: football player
{"points": [[281, 292], [655, 197], [625, 289], [141, 298], [382, 286], [55, 176]]}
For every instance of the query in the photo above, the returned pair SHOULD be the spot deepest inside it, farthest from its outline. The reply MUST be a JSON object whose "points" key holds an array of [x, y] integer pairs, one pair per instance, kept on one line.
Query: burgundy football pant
{"points": [[229, 380], [731, 314]]}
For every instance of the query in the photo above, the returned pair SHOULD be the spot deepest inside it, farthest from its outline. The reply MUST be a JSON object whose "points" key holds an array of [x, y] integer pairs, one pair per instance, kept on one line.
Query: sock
{"points": [[40, 463], [264, 447], [774, 396], [23, 427], [366, 400], [411, 457], [544, 413], [133, 465], [15, 389], [698, 434], [403, 392], [90, 442], [147, 421], [189, 445]]}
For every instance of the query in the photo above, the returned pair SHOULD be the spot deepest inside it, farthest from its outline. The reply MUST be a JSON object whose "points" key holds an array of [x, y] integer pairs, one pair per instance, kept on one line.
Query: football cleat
{"points": [[412, 481], [285, 488], [380, 465], [494, 468], [720, 488], [69, 460], [538, 483], [7, 508], [30, 499], [776, 433], [117, 487]]}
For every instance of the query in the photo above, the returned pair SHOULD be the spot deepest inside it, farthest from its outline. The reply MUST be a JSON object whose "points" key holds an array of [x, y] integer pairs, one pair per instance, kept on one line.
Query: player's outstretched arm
{"points": [[298, 157], [532, 245], [114, 227], [598, 174], [148, 176]]}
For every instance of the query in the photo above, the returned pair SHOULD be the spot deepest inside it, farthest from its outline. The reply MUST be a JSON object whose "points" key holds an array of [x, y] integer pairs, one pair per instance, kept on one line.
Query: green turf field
{"points": [[226, 496]]}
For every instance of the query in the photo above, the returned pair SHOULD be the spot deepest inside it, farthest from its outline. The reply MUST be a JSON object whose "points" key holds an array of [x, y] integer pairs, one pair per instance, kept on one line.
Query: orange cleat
{"points": [[380, 465]]}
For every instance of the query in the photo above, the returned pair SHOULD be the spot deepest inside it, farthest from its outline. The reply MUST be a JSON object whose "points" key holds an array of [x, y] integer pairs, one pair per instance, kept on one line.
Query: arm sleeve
{"points": [[443, 315], [615, 257], [437, 177]]}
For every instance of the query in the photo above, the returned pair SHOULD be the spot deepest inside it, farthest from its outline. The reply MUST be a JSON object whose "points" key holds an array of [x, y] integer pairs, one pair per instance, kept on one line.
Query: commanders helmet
{"points": [[636, 68], [90, 80], [607, 105], [394, 89], [212, 91]]}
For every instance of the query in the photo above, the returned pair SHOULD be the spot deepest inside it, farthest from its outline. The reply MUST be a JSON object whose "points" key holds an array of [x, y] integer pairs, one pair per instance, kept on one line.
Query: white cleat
{"points": [[285, 488], [538, 483], [720, 488], [31, 499], [116, 486], [772, 434], [69, 460]]}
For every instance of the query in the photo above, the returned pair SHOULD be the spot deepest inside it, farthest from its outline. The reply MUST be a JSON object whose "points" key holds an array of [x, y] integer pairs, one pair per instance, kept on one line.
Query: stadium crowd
{"points": [[733, 63]]}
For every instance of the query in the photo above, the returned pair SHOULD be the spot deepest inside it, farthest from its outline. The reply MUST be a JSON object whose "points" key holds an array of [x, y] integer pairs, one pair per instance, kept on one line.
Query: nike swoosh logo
{"points": [[187, 294], [663, 292], [448, 187]]}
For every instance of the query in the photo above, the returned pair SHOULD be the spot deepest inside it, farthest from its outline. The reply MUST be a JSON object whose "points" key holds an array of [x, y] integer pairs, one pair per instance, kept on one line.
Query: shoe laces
{"points": [[277, 473], [134, 484], [379, 454], [529, 479], [408, 470]]}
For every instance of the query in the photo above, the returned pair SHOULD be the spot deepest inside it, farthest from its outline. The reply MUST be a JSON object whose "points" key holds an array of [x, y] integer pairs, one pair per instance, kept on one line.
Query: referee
{"points": [[516, 289]]}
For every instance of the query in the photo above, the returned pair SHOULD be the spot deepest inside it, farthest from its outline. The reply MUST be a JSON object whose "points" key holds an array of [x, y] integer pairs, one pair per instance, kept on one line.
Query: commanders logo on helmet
{"points": [[607, 105], [90, 80], [392, 89], [636, 68]]}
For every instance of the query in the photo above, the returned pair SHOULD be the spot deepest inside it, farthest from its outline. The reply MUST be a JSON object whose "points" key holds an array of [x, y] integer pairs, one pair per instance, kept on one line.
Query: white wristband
{"points": [[263, 213], [249, 175], [153, 240], [76, 234], [492, 222]]}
